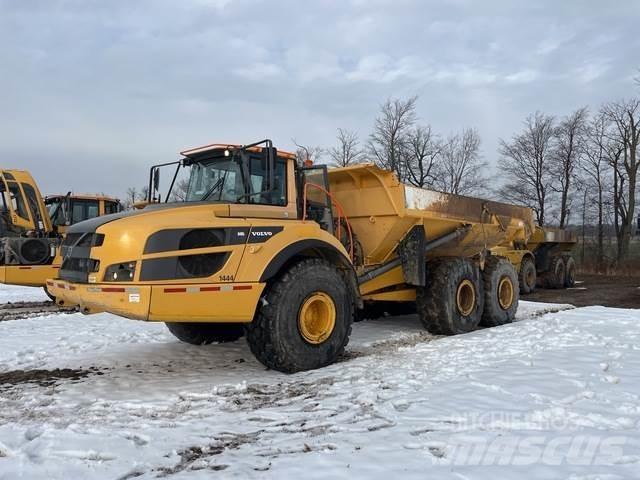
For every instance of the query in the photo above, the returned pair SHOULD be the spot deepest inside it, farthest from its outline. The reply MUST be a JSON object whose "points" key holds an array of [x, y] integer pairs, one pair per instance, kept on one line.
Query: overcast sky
{"points": [[93, 92]]}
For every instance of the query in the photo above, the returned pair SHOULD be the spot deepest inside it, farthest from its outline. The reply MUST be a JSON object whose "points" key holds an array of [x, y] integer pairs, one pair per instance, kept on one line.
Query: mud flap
{"points": [[412, 254]]}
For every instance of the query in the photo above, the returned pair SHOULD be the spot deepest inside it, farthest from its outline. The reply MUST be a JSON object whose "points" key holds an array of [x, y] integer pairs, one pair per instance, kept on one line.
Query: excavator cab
{"points": [[22, 207]]}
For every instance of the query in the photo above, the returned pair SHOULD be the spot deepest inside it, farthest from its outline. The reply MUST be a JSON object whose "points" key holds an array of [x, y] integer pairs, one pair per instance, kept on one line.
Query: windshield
{"points": [[54, 210], [221, 180]]}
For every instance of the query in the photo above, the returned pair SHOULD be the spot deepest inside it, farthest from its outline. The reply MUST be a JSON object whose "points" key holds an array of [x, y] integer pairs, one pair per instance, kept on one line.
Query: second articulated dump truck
{"points": [[31, 228], [289, 255]]}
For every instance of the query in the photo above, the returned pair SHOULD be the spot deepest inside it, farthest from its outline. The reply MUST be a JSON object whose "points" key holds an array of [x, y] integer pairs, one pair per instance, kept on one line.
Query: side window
{"points": [[77, 212], [84, 210], [93, 209], [110, 207], [32, 200], [259, 183], [17, 201]]}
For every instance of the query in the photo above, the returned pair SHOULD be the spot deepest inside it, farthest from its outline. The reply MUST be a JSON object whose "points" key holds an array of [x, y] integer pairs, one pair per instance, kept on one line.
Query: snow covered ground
{"points": [[12, 293], [554, 395]]}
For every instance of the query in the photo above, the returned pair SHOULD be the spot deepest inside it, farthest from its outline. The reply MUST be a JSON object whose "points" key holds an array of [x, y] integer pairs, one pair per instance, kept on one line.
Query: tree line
{"points": [[582, 166]]}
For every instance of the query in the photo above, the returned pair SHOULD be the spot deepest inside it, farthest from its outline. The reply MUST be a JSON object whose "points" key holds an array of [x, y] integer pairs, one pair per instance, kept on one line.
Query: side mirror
{"points": [[66, 209], [156, 179]]}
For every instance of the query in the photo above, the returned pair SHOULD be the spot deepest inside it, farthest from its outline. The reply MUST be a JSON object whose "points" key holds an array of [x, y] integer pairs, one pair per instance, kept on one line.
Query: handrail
{"points": [[334, 202]]}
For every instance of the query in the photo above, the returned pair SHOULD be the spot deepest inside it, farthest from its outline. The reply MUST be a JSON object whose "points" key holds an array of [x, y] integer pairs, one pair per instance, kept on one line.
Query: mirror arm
{"points": [[173, 181]]}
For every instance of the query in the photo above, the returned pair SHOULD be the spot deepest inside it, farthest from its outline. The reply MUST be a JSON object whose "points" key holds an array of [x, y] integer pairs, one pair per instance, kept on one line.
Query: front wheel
{"points": [[570, 271], [304, 320], [206, 333], [555, 276]]}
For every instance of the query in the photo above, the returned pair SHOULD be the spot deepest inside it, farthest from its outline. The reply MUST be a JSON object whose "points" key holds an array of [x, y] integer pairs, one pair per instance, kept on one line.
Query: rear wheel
{"points": [[527, 276], [206, 333], [500, 292], [555, 276], [570, 271], [304, 320], [452, 301]]}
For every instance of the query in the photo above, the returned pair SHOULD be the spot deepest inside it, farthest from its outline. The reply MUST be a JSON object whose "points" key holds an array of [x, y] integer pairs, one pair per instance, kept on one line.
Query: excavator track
{"points": [[20, 310]]}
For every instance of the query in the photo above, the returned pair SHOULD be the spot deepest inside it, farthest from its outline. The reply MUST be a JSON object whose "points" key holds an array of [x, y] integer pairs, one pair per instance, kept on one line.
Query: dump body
{"points": [[382, 211]]}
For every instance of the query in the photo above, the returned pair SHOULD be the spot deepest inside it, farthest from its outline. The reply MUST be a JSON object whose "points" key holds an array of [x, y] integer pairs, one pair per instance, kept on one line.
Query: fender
{"points": [[319, 248]]}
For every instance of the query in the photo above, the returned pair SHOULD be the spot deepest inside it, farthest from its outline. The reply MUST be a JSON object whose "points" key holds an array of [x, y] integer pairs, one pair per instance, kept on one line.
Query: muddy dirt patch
{"points": [[608, 291], [43, 377]]}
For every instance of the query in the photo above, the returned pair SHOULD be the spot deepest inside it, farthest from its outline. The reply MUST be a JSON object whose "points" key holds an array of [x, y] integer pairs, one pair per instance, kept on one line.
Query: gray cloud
{"points": [[104, 89]]}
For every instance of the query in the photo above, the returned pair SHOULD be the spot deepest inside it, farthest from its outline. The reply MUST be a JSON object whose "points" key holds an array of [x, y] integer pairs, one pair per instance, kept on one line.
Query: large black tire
{"points": [[500, 292], [277, 335], [452, 301], [527, 277], [569, 271], [555, 276], [206, 333]]}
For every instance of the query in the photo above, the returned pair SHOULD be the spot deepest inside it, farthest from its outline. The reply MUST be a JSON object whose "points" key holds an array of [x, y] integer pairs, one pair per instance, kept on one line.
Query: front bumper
{"points": [[208, 302]]}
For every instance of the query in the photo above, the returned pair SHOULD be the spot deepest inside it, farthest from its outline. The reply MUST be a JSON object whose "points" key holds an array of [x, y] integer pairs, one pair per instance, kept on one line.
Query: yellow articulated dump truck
{"points": [[289, 255], [31, 228]]}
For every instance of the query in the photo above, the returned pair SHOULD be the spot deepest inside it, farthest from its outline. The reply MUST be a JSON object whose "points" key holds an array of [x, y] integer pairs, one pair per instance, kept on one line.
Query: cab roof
{"points": [[199, 151], [83, 196]]}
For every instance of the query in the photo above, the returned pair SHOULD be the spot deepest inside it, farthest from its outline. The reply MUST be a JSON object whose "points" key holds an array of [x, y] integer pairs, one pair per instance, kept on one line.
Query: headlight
{"points": [[120, 272]]}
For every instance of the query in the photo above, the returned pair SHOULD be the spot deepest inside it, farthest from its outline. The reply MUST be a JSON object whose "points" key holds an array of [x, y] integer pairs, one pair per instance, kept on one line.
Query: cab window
{"points": [[32, 200], [84, 210], [258, 176], [111, 207], [16, 200]]}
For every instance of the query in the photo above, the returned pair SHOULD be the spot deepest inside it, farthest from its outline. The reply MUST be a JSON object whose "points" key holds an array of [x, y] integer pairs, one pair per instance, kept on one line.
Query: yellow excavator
{"points": [[32, 228]]}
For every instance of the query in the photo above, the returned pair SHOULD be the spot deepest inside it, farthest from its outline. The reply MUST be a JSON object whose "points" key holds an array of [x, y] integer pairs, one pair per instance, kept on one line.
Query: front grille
{"points": [[76, 251], [76, 244], [71, 238], [76, 269], [91, 240]]}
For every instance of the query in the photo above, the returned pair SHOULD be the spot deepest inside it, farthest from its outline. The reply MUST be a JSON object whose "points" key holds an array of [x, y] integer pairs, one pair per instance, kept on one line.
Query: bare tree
{"points": [[597, 157], [568, 150], [135, 195], [625, 118], [179, 190], [423, 149], [525, 162], [307, 153], [389, 138], [460, 168], [347, 151], [131, 197]]}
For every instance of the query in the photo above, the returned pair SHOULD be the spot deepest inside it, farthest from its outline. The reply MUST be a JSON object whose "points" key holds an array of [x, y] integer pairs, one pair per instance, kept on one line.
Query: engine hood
{"points": [[93, 224]]}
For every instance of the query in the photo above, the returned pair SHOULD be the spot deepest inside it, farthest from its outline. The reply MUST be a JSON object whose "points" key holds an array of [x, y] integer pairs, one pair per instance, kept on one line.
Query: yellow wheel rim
{"points": [[505, 293], [466, 297], [317, 318]]}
